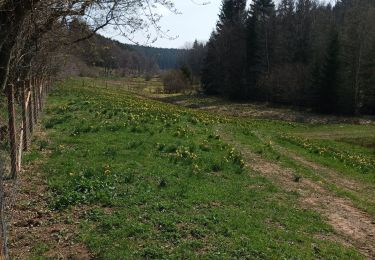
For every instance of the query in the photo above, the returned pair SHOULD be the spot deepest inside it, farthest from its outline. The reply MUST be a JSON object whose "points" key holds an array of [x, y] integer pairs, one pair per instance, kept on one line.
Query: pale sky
{"points": [[196, 21]]}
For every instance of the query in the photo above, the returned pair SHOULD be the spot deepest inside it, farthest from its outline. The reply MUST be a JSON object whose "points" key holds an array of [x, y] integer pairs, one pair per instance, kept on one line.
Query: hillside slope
{"points": [[99, 52], [135, 178]]}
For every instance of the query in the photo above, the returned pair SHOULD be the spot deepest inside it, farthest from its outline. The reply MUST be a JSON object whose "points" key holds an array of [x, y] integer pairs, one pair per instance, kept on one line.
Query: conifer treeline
{"points": [[301, 52]]}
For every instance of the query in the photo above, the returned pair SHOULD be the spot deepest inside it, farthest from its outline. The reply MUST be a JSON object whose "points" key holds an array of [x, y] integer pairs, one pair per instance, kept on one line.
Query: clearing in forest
{"points": [[113, 175]]}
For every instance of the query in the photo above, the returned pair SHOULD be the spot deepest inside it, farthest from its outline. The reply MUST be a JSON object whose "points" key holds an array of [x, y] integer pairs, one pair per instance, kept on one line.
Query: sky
{"points": [[195, 21]]}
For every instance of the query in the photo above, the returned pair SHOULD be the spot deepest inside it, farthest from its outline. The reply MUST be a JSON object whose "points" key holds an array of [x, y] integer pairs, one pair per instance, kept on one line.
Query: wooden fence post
{"points": [[24, 116], [32, 94], [43, 92], [30, 106], [35, 105], [36, 88], [39, 96], [3, 227], [12, 131]]}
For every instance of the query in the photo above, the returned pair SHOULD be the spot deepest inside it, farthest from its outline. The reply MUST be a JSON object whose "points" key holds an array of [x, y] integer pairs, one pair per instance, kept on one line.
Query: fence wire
{"points": [[19, 109]]}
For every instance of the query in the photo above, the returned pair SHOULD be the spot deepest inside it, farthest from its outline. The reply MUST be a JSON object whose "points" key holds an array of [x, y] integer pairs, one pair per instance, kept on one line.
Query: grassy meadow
{"points": [[160, 181]]}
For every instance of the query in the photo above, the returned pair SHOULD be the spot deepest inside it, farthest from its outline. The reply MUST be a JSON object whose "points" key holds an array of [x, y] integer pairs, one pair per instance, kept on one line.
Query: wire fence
{"points": [[20, 107]]}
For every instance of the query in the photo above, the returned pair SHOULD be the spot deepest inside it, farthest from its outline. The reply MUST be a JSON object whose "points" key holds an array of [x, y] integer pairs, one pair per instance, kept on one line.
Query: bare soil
{"points": [[33, 226], [329, 174]]}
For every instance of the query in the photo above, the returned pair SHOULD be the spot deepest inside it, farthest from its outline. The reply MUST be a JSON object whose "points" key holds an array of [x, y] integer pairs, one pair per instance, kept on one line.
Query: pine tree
{"points": [[226, 52], [211, 76], [368, 79], [232, 13], [286, 28], [253, 69], [329, 82], [304, 23], [258, 44]]}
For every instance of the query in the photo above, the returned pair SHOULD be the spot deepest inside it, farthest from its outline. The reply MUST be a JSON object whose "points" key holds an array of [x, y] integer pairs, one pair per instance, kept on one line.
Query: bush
{"points": [[148, 76], [175, 81]]}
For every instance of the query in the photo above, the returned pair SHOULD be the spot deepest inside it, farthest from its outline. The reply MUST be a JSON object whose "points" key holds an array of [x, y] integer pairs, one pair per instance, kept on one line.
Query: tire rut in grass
{"points": [[352, 225], [329, 174]]}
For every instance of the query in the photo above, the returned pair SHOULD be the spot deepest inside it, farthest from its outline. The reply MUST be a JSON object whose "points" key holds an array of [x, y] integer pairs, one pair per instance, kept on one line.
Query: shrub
{"points": [[148, 76], [175, 81]]}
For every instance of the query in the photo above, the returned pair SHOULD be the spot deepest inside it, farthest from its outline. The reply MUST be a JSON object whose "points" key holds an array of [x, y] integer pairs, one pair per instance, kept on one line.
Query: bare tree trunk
{"points": [[267, 49], [12, 17], [24, 116], [357, 84], [5, 54], [12, 131]]}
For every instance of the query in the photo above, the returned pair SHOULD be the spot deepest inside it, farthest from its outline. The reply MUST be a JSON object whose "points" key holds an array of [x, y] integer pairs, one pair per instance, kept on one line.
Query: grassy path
{"points": [[125, 177], [353, 226]]}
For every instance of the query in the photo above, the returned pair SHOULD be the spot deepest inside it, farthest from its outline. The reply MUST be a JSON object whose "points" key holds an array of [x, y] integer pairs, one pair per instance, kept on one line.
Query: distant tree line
{"points": [[116, 57], [112, 57], [191, 63], [301, 52], [165, 58]]}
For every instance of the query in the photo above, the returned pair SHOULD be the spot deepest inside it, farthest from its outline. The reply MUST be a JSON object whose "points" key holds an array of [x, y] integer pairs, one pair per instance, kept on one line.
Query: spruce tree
{"points": [[329, 79], [286, 32], [258, 44], [211, 76], [304, 27], [253, 69], [232, 13], [368, 81], [226, 52]]}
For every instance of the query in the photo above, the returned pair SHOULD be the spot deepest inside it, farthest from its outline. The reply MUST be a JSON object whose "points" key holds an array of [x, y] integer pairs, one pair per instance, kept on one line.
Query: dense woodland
{"points": [[165, 58], [300, 52]]}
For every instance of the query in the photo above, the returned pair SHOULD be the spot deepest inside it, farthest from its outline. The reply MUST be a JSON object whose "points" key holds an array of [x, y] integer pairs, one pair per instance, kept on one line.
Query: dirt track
{"points": [[353, 226]]}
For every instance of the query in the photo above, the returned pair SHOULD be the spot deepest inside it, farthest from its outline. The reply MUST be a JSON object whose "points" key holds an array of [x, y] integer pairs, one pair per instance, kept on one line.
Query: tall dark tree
{"points": [[286, 32], [358, 26], [368, 75], [304, 19], [228, 46], [329, 82], [194, 60], [211, 77], [292, 56], [258, 44]]}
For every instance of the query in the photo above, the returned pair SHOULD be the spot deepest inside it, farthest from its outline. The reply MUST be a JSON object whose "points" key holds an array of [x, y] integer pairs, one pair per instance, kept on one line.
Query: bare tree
{"points": [[23, 23]]}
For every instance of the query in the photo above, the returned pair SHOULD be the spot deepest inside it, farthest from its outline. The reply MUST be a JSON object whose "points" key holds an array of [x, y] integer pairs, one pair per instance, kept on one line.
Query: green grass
{"points": [[326, 145], [163, 184], [38, 250]]}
